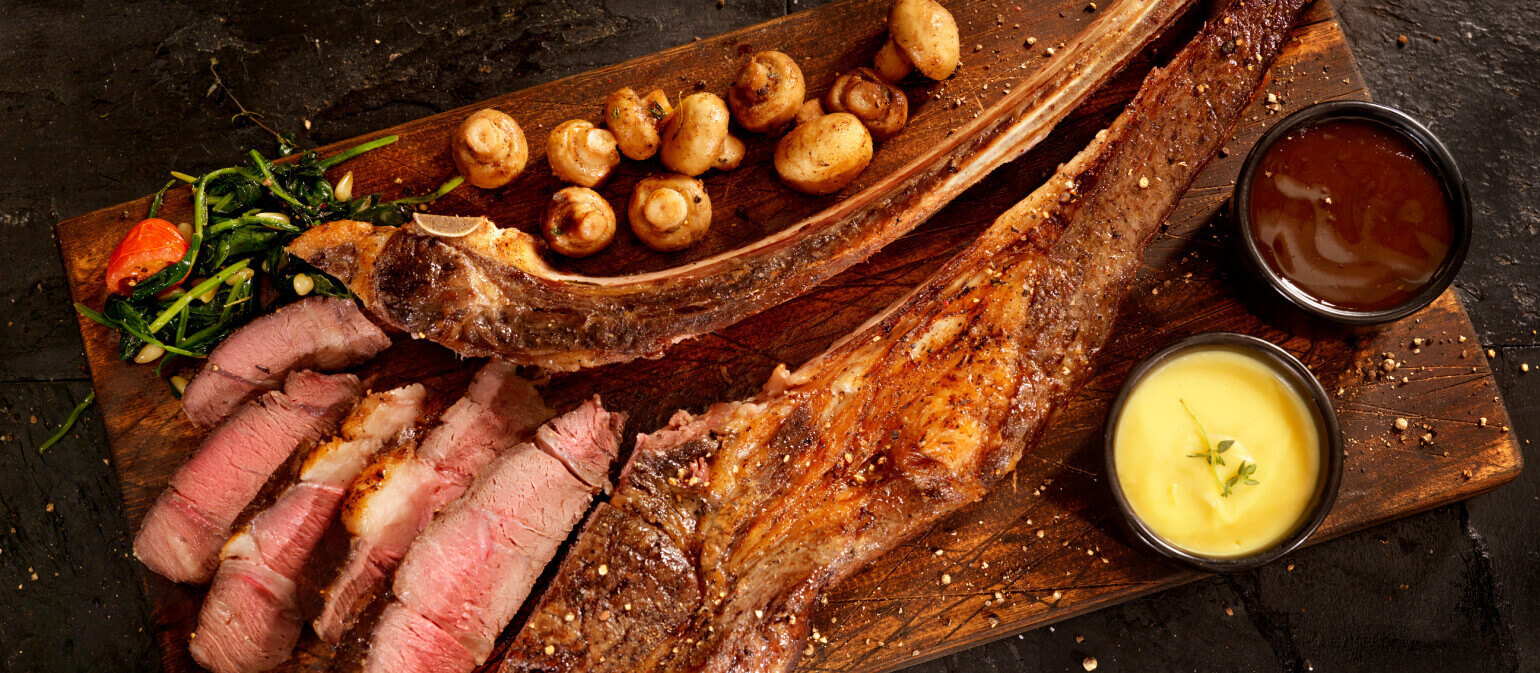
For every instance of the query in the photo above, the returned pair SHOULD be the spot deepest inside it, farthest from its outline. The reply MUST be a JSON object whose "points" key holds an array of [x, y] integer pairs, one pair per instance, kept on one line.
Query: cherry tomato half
{"points": [[150, 246]]}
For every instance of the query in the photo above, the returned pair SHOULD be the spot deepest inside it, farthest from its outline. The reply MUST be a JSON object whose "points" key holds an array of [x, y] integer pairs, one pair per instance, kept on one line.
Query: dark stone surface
{"points": [[98, 100]]}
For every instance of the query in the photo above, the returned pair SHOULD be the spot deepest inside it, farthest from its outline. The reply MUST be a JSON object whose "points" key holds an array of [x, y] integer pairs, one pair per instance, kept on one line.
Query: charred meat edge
{"points": [[741, 518], [523, 310]]}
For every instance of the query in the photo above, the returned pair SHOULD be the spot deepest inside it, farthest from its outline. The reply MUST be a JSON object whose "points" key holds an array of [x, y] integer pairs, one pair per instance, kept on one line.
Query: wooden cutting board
{"points": [[1042, 547]]}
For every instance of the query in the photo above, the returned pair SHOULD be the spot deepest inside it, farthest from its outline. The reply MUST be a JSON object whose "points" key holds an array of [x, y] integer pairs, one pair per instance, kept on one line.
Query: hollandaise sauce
{"points": [[1217, 452]]}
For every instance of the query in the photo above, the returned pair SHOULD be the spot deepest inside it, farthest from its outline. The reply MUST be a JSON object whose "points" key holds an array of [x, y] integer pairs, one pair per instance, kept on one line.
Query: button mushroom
{"points": [[865, 94], [892, 63], [767, 92], [825, 154], [695, 139], [581, 153], [578, 222], [927, 35], [670, 211], [489, 149], [733, 150], [811, 109], [637, 122]]}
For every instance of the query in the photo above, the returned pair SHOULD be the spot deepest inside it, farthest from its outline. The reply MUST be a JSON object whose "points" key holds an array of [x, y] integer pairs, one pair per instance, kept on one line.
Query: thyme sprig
{"points": [[1213, 454], [1242, 475]]}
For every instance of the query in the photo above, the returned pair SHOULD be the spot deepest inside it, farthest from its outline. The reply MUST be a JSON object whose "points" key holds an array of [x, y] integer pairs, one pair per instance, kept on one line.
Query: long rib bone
{"points": [[490, 293]]}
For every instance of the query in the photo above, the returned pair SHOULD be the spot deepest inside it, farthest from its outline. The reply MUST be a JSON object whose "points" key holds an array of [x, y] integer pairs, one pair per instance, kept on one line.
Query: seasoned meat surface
{"points": [[762, 505]]}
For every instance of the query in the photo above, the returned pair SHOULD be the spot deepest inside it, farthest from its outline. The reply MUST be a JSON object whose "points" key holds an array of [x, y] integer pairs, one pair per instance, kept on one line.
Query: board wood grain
{"points": [[1042, 547]]}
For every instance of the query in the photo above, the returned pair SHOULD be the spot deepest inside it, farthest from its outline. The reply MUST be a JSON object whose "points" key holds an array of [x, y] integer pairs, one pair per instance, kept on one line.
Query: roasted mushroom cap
{"points": [[578, 222], [892, 63], [695, 139], [637, 122], [669, 211], [865, 94], [489, 149], [927, 34], [767, 92], [581, 153], [825, 154], [733, 150], [811, 109]]}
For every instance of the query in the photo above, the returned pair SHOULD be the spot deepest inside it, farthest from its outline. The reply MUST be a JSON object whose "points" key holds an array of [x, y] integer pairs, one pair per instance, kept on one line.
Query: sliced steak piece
{"points": [[395, 497], [469, 572], [250, 619], [422, 646], [918, 413], [193, 517], [585, 441], [318, 333]]}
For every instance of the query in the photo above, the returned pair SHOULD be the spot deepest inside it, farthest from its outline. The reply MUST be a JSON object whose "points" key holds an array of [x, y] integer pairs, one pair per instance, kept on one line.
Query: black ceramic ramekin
{"points": [[1438, 157], [1330, 474]]}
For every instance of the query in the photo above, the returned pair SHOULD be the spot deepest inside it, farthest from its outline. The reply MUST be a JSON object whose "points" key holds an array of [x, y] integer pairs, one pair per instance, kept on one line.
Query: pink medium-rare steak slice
{"points": [[193, 517], [584, 440], [395, 497], [921, 411], [490, 293], [317, 333], [250, 619], [423, 646], [470, 571]]}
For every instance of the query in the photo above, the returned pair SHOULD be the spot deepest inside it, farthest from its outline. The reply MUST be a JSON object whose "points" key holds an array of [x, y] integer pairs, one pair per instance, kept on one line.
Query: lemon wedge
{"points": [[448, 226]]}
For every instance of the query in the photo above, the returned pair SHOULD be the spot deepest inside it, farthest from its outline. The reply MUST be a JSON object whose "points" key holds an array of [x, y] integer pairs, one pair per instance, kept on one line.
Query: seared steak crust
{"points": [[643, 570], [925, 409]]}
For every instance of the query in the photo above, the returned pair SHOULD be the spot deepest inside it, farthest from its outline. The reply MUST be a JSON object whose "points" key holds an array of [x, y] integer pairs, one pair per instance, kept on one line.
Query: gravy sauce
{"points": [[1352, 213]]}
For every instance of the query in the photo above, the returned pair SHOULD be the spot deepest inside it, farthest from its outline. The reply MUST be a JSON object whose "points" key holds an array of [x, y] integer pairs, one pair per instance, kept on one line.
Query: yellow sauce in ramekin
{"points": [[1245, 406]]}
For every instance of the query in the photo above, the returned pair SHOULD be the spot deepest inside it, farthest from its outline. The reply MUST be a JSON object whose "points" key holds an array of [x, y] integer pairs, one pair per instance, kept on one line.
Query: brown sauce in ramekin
{"points": [[1352, 213]]}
